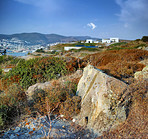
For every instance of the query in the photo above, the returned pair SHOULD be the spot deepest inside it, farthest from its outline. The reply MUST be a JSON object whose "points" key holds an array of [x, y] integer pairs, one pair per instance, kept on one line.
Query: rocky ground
{"points": [[41, 127]]}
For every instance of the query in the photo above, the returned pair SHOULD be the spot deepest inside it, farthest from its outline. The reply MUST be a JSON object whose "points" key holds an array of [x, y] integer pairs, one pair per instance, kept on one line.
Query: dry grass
{"points": [[119, 63], [61, 93]]}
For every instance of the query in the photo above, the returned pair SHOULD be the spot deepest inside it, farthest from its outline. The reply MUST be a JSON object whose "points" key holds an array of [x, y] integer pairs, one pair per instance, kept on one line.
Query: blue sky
{"points": [[126, 19]]}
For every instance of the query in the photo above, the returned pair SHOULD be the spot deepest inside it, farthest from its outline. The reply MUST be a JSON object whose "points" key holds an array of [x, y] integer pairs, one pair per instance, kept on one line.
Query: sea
{"points": [[17, 54]]}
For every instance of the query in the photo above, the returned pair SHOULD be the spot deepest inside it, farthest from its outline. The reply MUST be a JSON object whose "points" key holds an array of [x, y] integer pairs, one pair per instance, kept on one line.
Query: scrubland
{"points": [[120, 61]]}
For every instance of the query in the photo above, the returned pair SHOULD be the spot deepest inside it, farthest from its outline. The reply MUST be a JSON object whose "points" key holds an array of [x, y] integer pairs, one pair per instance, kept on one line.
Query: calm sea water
{"points": [[17, 54]]}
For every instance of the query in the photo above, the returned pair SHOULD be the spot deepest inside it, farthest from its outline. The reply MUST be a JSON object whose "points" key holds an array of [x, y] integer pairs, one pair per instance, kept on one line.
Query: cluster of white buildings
{"points": [[103, 41], [91, 41], [111, 40], [16, 45]]}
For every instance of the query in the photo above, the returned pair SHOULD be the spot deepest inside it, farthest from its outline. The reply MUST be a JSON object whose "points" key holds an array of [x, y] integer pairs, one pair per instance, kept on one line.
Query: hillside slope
{"points": [[38, 38]]}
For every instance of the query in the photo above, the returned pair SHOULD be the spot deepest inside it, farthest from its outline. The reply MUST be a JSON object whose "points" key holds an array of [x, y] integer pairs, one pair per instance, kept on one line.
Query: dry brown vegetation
{"points": [[119, 63], [70, 107], [123, 64], [74, 64], [61, 96], [60, 99], [13, 102], [136, 125]]}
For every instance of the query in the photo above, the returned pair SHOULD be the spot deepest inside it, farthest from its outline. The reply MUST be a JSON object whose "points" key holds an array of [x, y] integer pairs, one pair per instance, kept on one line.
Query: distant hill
{"points": [[38, 38]]}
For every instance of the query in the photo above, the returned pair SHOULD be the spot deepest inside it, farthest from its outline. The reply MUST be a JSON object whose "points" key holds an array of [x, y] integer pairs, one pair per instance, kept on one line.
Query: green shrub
{"points": [[36, 70], [5, 58], [85, 49], [1, 121], [12, 104], [40, 50], [140, 45], [1, 71], [145, 38], [7, 115], [83, 54], [15, 60], [3, 115], [118, 48], [118, 44]]}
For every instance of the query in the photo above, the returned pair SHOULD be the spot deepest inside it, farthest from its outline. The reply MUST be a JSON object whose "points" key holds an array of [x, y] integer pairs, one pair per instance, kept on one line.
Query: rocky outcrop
{"points": [[104, 100], [32, 88], [48, 85], [41, 127], [142, 74]]}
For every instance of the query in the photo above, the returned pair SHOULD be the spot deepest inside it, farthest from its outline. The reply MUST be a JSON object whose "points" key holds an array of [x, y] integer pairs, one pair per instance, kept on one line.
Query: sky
{"points": [[125, 19]]}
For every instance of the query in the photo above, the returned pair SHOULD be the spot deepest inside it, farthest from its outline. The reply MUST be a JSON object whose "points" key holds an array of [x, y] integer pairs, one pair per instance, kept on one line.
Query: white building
{"points": [[106, 41], [111, 40], [114, 39], [91, 41], [96, 41], [69, 48]]}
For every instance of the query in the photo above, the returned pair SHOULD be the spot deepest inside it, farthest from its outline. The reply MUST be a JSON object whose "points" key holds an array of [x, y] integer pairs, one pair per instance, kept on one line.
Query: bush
{"points": [[3, 115], [140, 45], [118, 44], [1, 71], [85, 49], [40, 50], [15, 60], [51, 99], [7, 115], [31, 71], [12, 104], [5, 58], [145, 38], [39, 101], [74, 64], [70, 107], [61, 92]]}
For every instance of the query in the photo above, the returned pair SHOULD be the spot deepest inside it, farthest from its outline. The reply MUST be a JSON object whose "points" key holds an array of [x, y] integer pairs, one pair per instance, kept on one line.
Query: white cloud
{"points": [[134, 14], [91, 25], [133, 9]]}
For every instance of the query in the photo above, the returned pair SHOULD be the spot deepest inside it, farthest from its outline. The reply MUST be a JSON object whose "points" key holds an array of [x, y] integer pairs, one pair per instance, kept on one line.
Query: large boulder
{"points": [[104, 100], [142, 74]]}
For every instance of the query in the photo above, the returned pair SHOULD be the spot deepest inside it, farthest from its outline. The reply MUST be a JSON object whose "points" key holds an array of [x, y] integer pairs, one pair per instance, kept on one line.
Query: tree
{"points": [[145, 38]]}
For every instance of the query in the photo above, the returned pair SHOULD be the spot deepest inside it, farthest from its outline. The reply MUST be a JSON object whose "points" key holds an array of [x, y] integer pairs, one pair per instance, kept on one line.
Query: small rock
{"points": [[61, 115], [73, 120], [17, 129]]}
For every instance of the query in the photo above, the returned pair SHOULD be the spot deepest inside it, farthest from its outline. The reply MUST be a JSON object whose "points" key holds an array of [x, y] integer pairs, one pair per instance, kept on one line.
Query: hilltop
{"points": [[38, 38]]}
